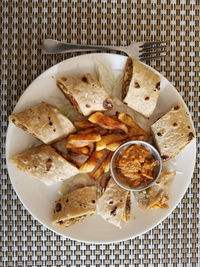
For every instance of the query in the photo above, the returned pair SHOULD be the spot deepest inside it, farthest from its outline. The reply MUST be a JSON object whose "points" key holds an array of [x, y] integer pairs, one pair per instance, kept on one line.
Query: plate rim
{"points": [[147, 229]]}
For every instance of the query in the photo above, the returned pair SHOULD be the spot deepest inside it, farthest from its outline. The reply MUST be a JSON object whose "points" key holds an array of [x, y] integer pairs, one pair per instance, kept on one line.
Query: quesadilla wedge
{"points": [[141, 87], [43, 121], [157, 195], [75, 206], [114, 204], [172, 132], [45, 164], [85, 93]]}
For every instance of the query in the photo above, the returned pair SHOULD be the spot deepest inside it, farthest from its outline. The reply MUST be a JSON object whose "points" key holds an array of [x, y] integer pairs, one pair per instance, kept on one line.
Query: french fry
{"points": [[113, 146], [139, 137], [107, 122], [80, 150], [88, 131], [104, 167], [126, 119], [90, 164], [135, 129], [106, 162], [84, 124], [99, 171], [91, 146], [109, 138], [81, 140], [102, 131]]}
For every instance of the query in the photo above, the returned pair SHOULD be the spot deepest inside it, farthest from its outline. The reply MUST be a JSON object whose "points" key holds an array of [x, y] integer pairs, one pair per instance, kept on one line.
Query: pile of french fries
{"points": [[99, 136]]}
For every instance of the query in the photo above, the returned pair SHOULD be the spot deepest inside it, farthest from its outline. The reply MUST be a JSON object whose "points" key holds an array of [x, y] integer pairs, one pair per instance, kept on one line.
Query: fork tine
{"points": [[157, 52], [148, 48], [153, 57], [150, 44]]}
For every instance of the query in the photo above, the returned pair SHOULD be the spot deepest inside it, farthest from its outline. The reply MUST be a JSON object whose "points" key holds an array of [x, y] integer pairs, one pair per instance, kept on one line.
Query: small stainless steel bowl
{"points": [[113, 167]]}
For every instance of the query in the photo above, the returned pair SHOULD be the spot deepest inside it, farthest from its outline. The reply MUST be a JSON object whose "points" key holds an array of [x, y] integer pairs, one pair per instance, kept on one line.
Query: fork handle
{"points": [[55, 47]]}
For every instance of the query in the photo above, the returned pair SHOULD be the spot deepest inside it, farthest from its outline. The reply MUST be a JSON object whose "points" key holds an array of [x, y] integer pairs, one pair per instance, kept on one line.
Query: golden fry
{"points": [[109, 138], [99, 171], [113, 146], [91, 146], [107, 122], [135, 128], [139, 137], [80, 150], [88, 131], [81, 140], [104, 167], [84, 124], [90, 164], [106, 162]]}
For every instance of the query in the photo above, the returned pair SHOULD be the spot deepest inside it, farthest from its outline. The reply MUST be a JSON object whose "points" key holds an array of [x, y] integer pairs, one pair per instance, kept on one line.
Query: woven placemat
{"points": [[23, 240]]}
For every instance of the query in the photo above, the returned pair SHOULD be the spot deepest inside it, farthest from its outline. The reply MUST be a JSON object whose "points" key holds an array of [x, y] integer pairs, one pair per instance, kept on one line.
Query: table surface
{"points": [[23, 240]]}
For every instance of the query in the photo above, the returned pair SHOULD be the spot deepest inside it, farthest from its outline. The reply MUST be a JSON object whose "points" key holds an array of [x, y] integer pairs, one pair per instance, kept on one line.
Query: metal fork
{"points": [[140, 50]]}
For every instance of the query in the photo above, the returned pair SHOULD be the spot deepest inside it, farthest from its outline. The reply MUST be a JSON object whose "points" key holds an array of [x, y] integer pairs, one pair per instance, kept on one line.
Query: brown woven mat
{"points": [[23, 240]]}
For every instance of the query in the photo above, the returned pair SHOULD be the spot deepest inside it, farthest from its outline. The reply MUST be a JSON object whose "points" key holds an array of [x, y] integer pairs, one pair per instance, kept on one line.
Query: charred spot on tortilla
{"points": [[158, 86], [48, 164], [113, 212], [190, 136], [137, 85], [175, 124], [176, 107], [164, 157], [93, 201], [67, 200], [146, 98], [88, 106], [58, 207], [110, 202], [107, 103], [84, 79], [50, 123]]}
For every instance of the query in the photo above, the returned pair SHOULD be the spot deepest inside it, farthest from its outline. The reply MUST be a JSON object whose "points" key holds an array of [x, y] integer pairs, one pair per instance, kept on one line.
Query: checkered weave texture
{"points": [[24, 23]]}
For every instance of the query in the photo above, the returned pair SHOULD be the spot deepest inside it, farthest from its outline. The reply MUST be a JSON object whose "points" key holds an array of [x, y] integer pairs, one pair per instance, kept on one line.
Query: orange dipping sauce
{"points": [[136, 166]]}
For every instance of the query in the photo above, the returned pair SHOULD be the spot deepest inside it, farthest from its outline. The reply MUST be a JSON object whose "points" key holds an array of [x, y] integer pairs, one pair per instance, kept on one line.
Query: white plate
{"points": [[39, 199]]}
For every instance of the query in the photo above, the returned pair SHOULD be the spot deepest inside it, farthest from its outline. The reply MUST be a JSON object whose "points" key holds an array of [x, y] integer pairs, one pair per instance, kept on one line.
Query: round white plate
{"points": [[39, 198]]}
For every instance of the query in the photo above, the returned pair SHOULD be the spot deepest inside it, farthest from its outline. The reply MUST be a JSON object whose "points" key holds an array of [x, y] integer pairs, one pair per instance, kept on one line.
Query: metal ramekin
{"points": [[113, 168]]}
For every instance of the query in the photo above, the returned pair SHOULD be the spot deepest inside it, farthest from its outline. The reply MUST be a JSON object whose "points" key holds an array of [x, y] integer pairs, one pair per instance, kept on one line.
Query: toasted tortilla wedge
{"points": [[141, 87], [85, 93], [74, 206], [172, 132], [157, 195], [112, 204], [45, 164], [43, 121]]}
